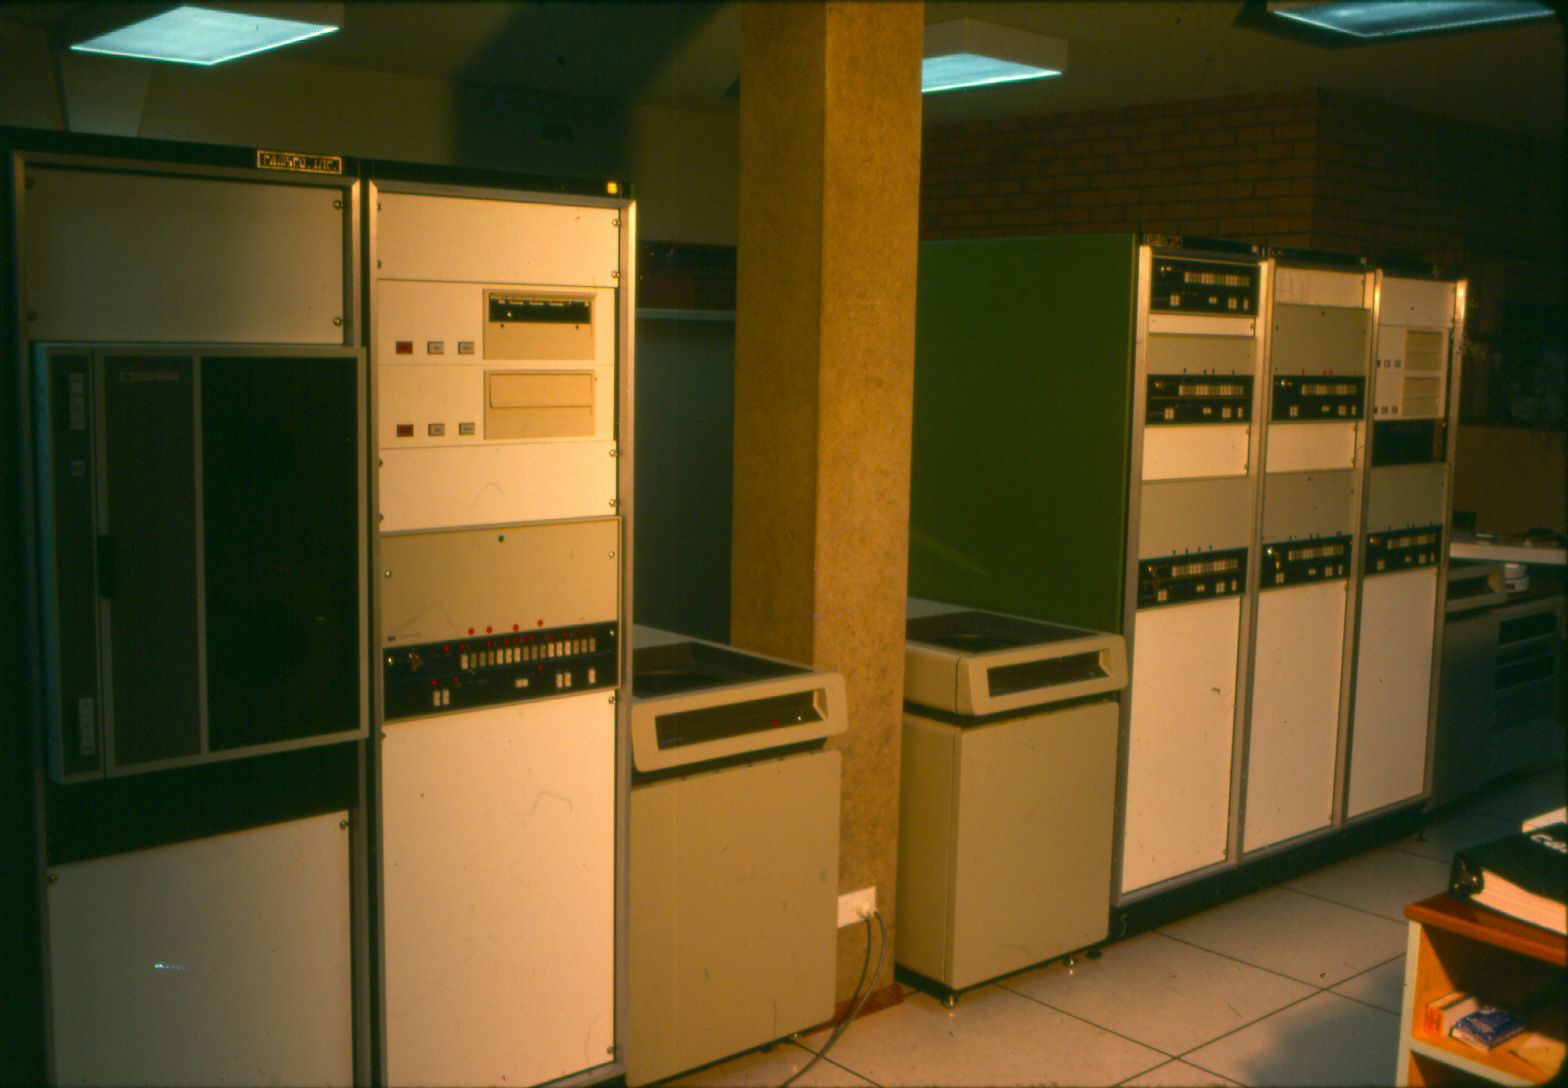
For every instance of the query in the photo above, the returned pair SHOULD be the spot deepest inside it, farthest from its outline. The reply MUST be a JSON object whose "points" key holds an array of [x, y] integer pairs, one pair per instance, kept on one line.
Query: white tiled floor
{"points": [[1295, 985]]}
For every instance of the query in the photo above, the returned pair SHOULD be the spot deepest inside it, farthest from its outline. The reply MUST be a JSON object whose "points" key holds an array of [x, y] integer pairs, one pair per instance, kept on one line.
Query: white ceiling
{"points": [[685, 53]]}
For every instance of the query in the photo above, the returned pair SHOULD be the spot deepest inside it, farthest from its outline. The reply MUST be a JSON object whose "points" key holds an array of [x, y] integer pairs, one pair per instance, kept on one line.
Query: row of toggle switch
{"points": [[511, 655]]}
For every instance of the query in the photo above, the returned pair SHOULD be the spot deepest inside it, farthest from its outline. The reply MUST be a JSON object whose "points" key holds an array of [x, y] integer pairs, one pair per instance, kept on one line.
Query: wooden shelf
{"points": [[1488, 926], [1455, 945]]}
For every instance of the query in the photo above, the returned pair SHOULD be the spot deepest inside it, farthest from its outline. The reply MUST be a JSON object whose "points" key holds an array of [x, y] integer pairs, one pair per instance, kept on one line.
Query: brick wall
{"points": [[1296, 168], [1239, 167], [1486, 202]]}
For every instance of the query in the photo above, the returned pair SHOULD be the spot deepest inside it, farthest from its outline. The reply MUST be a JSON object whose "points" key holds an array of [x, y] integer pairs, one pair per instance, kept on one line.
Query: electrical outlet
{"points": [[853, 906]]}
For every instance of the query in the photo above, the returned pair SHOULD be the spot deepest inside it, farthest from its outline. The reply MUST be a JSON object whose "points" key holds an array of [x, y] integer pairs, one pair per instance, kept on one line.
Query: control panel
{"points": [[1295, 562], [495, 668], [1181, 285], [1199, 398], [1199, 577], [475, 618], [1403, 549], [1326, 398]]}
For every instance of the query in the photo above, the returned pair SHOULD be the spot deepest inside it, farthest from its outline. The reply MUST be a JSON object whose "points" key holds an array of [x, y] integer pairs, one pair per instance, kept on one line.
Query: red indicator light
{"points": [[470, 630], [489, 629], [541, 623], [405, 347], [514, 626], [446, 649]]}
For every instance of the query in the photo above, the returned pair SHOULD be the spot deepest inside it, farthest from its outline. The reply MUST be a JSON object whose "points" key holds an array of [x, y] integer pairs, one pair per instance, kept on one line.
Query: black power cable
{"points": [[860, 996]]}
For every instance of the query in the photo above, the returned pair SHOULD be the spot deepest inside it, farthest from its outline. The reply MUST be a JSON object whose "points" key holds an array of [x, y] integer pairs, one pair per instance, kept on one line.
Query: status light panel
{"points": [[1293, 562], [488, 670], [1403, 549], [1184, 578], [1203, 287], [1199, 398], [1318, 398]]}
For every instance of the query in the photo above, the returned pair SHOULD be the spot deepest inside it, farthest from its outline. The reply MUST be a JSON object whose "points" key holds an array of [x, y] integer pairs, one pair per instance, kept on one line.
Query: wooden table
{"points": [[1456, 945]]}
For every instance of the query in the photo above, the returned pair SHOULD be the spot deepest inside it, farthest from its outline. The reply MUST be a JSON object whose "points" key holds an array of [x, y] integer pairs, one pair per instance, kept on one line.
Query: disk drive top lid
{"points": [[694, 701], [969, 662]]}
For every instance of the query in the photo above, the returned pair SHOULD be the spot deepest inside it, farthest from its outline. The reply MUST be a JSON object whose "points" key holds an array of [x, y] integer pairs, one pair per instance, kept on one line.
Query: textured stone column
{"points": [[829, 207]]}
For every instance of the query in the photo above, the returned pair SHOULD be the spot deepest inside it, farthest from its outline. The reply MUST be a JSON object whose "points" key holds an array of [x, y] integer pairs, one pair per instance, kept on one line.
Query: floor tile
{"points": [[1382, 986], [1325, 1040], [1176, 1075], [993, 1037], [1309, 939], [1380, 881], [773, 1067], [1161, 992], [1517, 799], [1453, 830]]}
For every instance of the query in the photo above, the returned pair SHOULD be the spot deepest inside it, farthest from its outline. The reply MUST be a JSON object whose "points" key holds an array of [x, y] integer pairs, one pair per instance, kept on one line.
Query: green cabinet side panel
{"points": [[1023, 393]]}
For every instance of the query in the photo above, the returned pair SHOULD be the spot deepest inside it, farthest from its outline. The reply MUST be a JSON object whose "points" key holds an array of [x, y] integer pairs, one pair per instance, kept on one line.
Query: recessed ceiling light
{"points": [[1390, 18], [204, 36], [971, 53]]}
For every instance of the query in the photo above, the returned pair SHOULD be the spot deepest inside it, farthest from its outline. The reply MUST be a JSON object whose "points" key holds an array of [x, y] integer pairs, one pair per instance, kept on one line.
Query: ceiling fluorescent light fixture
{"points": [[1390, 18], [971, 53], [207, 36]]}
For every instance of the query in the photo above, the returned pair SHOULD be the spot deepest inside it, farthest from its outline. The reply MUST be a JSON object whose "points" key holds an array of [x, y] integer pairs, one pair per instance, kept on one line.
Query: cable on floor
{"points": [[859, 996]]}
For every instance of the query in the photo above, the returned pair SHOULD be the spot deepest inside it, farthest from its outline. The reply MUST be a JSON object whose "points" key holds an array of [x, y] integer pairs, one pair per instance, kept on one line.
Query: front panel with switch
{"points": [[500, 338], [479, 617], [1319, 346], [1190, 558], [1420, 326]]}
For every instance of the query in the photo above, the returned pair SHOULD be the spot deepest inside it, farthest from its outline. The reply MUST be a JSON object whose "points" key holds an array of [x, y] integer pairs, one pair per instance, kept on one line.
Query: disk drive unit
{"points": [[501, 342], [1399, 637], [191, 395], [1319, 349], [1007, 789], [734, 851]]}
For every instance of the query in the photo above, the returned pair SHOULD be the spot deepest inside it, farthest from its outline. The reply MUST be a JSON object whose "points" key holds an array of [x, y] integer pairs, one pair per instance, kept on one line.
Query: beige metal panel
{"points": [[927, 838], [451, 583], [214, 962], [1294, 734], [1393, 689], [499, 892], [1177, 516], [734, 907], [453, 394], [1401, 496], [1177, 810], [132, 257], [496, 484], [1201, 325], [1035, 820], [1179, 452], [1305, 447], [1318, 287], [1308, 504], [530, 404], [425, 237], [1321, 339], [1428, 303], [1201, 354]]}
